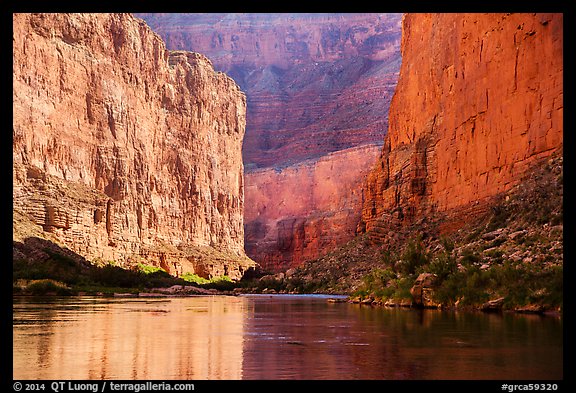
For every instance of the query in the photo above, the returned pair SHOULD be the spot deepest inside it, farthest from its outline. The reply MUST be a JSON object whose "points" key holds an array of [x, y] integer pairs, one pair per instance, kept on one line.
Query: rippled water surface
{"points": [[274, 337]]}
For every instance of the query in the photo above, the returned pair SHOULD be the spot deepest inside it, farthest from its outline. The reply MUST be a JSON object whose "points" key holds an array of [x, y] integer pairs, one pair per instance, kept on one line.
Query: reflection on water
{"points": [[95, 338], [274, 337]]}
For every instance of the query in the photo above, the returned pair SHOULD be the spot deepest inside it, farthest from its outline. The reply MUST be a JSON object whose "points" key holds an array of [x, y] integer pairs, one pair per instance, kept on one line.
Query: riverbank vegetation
{"points": [[466, 277], [62, 275]]}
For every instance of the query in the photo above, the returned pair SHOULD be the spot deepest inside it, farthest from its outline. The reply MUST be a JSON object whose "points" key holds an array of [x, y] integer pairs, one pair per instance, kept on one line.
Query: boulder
{"points": [[422, 291], [493, 305], [518, 234], [493, 235], [530, 309]]}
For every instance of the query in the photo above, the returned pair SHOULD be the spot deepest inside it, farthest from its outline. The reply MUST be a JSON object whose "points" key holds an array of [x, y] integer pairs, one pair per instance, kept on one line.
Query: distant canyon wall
{"points": [[479, 100], [301, 212], [315, 83], [124, 150]]}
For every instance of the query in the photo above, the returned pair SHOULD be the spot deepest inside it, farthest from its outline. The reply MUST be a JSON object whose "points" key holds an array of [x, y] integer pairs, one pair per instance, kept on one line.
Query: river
{"points": [[274, 337]]}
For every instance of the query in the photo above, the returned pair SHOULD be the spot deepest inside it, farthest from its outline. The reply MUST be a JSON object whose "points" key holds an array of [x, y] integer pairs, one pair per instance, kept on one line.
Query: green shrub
{"points": [[469, 257], [554, 279], [148, 269], [447, 243], [194, 278], [45, 286], [387, 258], [496, 242], [474, 235], [450, 289], [376, 283], [377, 278], [413, 256], [159, 279], [443, 266], [402, 288], [496, 255], [221, 283], [57, 267], [498, 219], [113, 276]]}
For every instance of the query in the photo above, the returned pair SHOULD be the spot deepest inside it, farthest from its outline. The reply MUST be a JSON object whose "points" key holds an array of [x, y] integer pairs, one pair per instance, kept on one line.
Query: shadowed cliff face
{"points": [[479, 100], [123, 150], [315, 83]]}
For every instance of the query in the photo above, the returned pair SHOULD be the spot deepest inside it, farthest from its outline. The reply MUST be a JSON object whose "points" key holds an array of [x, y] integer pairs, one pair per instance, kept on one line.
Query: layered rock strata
{"points": [[303, 211], [479, 101], [123, 150], [315, 83]]}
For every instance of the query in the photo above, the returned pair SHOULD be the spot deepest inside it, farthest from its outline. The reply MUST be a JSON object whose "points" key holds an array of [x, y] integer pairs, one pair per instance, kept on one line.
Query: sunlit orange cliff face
{"points": [[479, 100], [125, 151]]}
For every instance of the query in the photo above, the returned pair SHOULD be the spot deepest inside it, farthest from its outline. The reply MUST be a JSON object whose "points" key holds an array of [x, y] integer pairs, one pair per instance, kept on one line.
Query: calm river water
{"points": [[274, 337]]}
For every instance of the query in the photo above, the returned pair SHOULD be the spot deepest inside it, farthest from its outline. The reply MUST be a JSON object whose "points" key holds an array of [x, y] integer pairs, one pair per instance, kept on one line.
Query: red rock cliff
{"points": [[124, 150], [478, 101], [305, 210]]}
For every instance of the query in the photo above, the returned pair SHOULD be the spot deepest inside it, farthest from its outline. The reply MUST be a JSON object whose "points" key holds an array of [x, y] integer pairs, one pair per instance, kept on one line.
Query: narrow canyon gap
{"points": [[316, 84]]}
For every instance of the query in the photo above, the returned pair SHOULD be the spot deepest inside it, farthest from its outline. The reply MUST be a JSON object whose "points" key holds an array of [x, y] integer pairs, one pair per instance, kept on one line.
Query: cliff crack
{"points": [[111, 121], [516, 69]]}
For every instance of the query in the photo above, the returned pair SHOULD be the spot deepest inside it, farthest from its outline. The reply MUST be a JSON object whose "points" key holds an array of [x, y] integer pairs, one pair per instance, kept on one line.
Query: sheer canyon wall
{"points": [[479, 100], [123, 150], [315, 84], [302, 211]]}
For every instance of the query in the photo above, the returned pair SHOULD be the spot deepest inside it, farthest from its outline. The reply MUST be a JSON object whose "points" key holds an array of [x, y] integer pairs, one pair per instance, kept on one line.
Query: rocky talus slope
{"points": [[123, 150], [509, 257]]}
